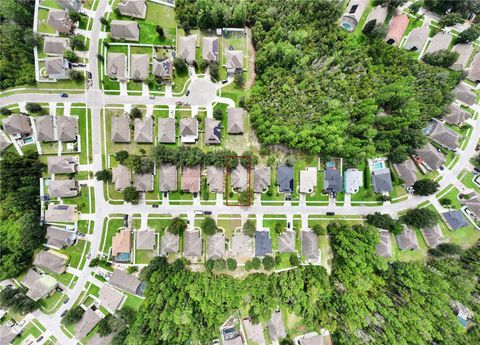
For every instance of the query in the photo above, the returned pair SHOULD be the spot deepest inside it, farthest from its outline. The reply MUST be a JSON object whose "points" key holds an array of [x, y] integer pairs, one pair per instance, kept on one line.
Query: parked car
{"points": [[207, 212], [224, 81], [64, 95], [188, 92], [155, 205], [66, 300], [40, 339], [152, 97], [476, 171], [330, 213], [63, 313]]}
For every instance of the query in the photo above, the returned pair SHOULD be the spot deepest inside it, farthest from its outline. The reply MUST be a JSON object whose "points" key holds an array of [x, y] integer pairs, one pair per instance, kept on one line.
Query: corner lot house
{"points": [[62, 164], [54, 45], [122, 246], [133, 8], [125, 29], [397, 28], [51, 261], [59, 238], [57, 67], [126, 282], [67, 128], [116, 66], [39, 285], [110, 298], [352, 15], [189, 130], [17, 124], [121, 177], [61, 213], [120, 129], [186, 48], [235, 120], [384, 247], [166, 130], [60, 21], [168, 180]]}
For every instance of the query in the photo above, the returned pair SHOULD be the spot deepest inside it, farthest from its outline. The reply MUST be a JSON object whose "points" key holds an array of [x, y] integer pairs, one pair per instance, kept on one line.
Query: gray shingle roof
{"points": [[128, 30], [44, 128], [276, 328], [239, 178], [456, 115], [285, 178], [97, 339], [384, 247], [62, 164], [186, 48], [169, 243], [216, 246], [261, 179], [254, 332], [67, 127], [50, 261], [215, 179], [443, 135], [110, 298], [407, 171], [213, 131], [407, 240], [188, 126], [464, 51], [192, 244], [144, 182], [382, 181], [59, 20], [210, 49], [440, 41], [417, 38], [59, 238], [235, 120], [242, 245], [61, 213], [62, 188], [333, 181], [263, 243], [431, 156], [7, 334], [234, 59], [17, 124], [166, 130], [378, 13], [54, 45], [126, 282], [464, 94], [38, 285], [139, 70], [433, 236], [474, 73], [121, 177], [143, 132], [162, 68], [474, 205], [133, 8], [145, 240], [120, 129], [55, 65], [286, 242], [310, 245], [4, 141], [168, 178], [88, 322], [116, 63]]}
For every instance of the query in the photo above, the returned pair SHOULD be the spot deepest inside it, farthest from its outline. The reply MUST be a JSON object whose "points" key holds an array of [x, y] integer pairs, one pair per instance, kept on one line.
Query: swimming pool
{"points": [[377, 166], [123, 257]]}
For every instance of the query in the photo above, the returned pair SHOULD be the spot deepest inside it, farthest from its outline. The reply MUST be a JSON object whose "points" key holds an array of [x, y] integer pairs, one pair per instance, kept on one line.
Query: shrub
{"points": [[239, 79], [104, 175], [278, 260], [160, 32], [74, 16], [441, 58], [294, 260], [130, 194], [420, 217], [70, 55], [209, 265], [446, 202], [450, 249], [180, 65], [219, 265], [319, 230], [5, 111], [249, 228], [279, 228], [425, 187], [132, 269], [73, 316], [268, 263], [135, 113], [231, 264], [218, 114], [214, 69], [33, 107], [248, 265], [121, 156], [177, 226], [469, 35], [256, 263], [76, 75]]}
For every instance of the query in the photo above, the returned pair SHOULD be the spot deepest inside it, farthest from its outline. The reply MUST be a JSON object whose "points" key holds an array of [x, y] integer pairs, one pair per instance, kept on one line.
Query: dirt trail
{"points": [[251, 60]]}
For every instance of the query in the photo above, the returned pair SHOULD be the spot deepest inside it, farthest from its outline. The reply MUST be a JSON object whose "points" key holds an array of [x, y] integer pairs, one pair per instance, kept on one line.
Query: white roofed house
{"points": [[235, 119], [140, 67], [353, 14], [62, 164], [166, 130], [116, 66], [353, 180], [56, 67], [63, 188], [186, 48], [120, 129], [67, 128], [234, 61], [464, 51], [125, 29], [189, 130], [121, 177], [44, 126], [133, 8], [308, 180], [60, 21], [54, 45], [210, 49], [162, 68], [213, 132], [474, 72], [143, 130]]}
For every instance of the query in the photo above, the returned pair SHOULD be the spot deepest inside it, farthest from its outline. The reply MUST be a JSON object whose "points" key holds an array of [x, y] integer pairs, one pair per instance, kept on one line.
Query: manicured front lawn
{"points": [[468, 181], [51, 304], [452, 194], [109, 230], [29, 330], [82, 200], [75, 253], [43, 27]]}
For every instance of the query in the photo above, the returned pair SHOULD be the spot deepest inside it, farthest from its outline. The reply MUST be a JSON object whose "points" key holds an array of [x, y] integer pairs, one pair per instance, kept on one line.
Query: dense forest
{"points": [[323, 90], [364, 299], [20, 230], [16, 43]]}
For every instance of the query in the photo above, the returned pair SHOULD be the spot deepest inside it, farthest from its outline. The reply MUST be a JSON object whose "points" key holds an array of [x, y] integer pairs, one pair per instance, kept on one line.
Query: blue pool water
{"points": [[123, 257], [330, 164], [378, 166]]}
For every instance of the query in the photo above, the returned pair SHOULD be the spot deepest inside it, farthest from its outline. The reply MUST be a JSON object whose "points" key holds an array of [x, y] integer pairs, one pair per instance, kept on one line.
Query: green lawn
{"points": [[144, 256], [109, 230], [82, 200], [50, 4], [75, 253], [30, 330], [234, 92], [179, 80], [65, 279], [132, 301], [409, 255], [468, 181], [43, 27], [452, 195], [52, 303]]}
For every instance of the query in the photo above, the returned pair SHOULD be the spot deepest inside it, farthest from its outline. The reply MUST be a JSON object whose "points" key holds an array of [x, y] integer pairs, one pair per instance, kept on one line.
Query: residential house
{"points": [[139, 70], [120, 129], [384, 247], [169, 243], [51, 261], [60, 21], [116, 66], [382, 181], [58, 238], [162, 68], [167, 178], [431, 157], [186, 48], [4, 141], [125, 29], [210, 49], [216, 246], [56, 67], [97, 339], [308, 180], [239, 178], [397, 28], [144, 182], [189, 130], [254, 332], [62, 164], [261, 179], [456, 115], [286, 242], [121, 177], [310, 245], [213, 132], [463, 94], [378, 13], [122, 246], [407, 172], [464, 51], [55, 45], [234, 61], [441, 41], [276, 328], [110, 298], [353, 180], [166, 130], [145, 240], [455, 219], [353, 14], [44, 128], [39, 285], [474, 72], [473, 205], [17, 124], [263, 243], [235, 119], [67, 128], [72, 5], [433, 236], [242, 246], [126, 282], [417, 38], [443, 135], [191, 179], [86, 324], [143, 130], [285, 178], [332, 180], [407, 240], [61, 213], [133, 8], [215, 179], [7, 334], [192, 244]]}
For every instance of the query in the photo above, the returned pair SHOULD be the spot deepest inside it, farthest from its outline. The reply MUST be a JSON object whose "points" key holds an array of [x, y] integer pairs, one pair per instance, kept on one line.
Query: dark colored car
{"points": [[63, 313], [64, 95]]}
